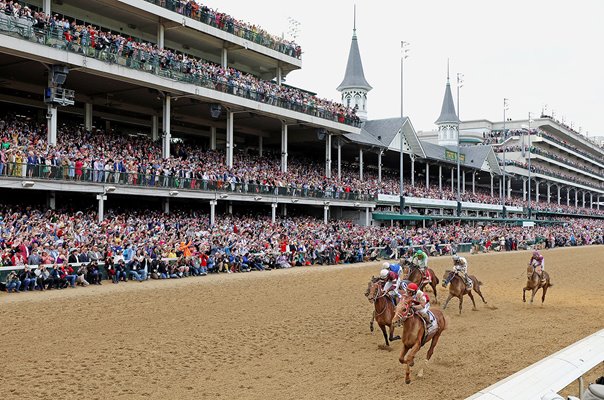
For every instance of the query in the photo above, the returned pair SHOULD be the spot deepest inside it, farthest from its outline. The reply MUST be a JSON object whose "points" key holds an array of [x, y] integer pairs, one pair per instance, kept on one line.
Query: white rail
{"points": [[549, 375]]}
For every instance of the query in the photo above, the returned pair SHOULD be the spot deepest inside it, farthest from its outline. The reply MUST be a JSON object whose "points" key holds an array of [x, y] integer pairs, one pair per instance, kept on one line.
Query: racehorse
{"points": [[458, 288], [384, 309], [534, 283], [413, 333], [413, 274]]}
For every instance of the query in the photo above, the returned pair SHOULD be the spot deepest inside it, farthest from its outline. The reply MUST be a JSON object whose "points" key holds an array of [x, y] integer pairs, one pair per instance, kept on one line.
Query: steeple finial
{"points": [[354, 21], [447, 70]]}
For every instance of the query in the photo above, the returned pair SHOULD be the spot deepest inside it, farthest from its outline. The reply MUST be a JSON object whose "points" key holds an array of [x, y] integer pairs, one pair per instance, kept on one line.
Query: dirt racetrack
{"points": [[294, 334]]}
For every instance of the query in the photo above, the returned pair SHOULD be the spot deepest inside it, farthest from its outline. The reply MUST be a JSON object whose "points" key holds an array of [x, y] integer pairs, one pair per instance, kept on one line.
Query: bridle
{"points": [[403, 314], [377, 294]]}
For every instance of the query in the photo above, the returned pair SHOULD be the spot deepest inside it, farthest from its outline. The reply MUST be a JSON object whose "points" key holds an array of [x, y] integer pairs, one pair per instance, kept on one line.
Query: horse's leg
{"points": [[460, 303], [391, 330], [473, 302], [433, 284], [410, 360], [477, 290], [404, 350], [383, 328], [534, 292], [524, 294], [433, 344], [447, 301], [371, 323], [544, 291]]}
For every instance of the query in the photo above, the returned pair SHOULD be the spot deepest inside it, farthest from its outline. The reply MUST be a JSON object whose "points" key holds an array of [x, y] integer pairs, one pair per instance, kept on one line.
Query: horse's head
{"points": [[402, 311], [369, 286], [447, 273], [374, 290]]}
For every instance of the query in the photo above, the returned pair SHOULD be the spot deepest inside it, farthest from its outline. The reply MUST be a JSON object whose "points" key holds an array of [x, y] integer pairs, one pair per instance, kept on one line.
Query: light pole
{"points": [[529, 164], [503, 188], [459, 86], [404, 54]]}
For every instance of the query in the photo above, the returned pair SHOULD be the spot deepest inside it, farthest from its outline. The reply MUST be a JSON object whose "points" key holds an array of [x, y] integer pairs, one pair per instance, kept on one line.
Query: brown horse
{"points": [[413, 274], [534, 283], [458, 288], [413, 334], [384, 310]]}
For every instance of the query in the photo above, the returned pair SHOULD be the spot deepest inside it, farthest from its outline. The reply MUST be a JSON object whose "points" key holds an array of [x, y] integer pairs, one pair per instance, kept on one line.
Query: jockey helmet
{"points": [[384, 273], [386, 265], [419, 253], [455, 258], [412, 287]]}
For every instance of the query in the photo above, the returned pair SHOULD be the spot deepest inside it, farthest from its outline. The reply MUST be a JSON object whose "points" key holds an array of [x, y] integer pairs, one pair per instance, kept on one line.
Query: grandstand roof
{"points": [[475, 156], [354, 77], [447, 112]]}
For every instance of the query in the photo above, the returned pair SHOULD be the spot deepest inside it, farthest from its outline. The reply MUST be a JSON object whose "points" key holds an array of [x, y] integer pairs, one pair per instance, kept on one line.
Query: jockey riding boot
{"points": [[445, 283]]}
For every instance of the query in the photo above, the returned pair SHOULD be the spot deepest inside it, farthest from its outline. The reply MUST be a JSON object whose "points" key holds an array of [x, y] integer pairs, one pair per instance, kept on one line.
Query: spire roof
{"points": [[447, 112], [354, 77]]}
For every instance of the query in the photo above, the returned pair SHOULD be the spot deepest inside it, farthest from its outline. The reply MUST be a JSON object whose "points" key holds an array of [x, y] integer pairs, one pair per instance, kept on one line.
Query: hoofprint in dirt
{"points": [[299, 333]]}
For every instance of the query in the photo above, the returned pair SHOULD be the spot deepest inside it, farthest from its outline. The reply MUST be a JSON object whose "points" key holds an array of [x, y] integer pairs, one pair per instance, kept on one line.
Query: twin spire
{"points": [[354, 78], [447, 112]]}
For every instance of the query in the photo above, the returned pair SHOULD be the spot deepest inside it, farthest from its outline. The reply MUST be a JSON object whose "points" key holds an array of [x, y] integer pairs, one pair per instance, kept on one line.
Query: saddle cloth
{"points": [[430, 328]]}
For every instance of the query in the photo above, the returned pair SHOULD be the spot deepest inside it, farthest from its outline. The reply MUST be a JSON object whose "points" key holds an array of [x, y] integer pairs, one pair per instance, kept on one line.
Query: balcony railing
{"points": [[87, 175], [231, 25], [169, 68]]}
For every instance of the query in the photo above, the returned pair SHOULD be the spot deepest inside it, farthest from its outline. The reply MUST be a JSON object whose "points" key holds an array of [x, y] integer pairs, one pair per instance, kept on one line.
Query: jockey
{"points": [[460, 267], [537, 262], [420, 303], [421, 260], [396, 268], [392, 282]]}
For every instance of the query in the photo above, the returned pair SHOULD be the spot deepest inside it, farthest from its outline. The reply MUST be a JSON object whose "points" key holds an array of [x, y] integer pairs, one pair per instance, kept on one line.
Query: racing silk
{"points": [[423, 262], [392, 277], [420, 298], [462, 266], [535, 262], [396, 268]]}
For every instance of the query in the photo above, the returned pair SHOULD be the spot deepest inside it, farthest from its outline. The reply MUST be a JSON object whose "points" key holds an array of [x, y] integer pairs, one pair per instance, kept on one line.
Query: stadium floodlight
{"points": [[27, 184], [109, 189], [173, 192]]}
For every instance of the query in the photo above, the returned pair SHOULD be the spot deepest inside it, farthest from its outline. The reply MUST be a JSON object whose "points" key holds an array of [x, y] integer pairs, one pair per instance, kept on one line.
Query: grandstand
{"points": [[190, 79]]}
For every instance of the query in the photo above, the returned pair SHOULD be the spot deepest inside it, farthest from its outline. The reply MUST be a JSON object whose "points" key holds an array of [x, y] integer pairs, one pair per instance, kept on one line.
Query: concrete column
{"points": [[576, 198], [213, 138], [325, 214], [452, 177], [101, 211], [224, 58], [213, 204], [427, 175], [229, 139], [380, 166], [230, 208], [537, 191], [361, 164], [568, 196], [161, 30], [273, 212], [598, 202], [279, 75], [166, 203], [463, 181], [166, 136], [559, 197], [440, 178], [52, 200], [51, 121], [583, 195], [283, 147], [339, 158], [366, 216], [88, 116], [500, 187], [491, 185], [509, 183], [523, 189], [549, 195], [154, 128], [284, 210], [412, 170], [591, 200], [473, 182], [260, 145], [46, 6], [328, 155]]}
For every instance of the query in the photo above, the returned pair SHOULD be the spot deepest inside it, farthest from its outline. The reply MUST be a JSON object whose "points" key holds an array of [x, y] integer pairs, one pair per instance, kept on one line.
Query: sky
{"points": [[536, 53]]}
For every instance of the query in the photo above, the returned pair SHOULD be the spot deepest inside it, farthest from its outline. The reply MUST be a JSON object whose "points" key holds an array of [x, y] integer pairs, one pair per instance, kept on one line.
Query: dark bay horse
{"points": [[534, 283], [413, 334], [384, 310], [413, 274], [458, 288]]}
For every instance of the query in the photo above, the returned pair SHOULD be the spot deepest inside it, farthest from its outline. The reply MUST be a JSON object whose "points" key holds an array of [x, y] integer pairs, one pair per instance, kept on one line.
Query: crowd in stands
{"points": [[556, 174], [57, 249], [104, 44], [200, 12]]}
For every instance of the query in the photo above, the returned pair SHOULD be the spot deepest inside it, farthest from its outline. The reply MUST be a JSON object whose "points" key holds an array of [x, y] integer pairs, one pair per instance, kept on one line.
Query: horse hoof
{"points": [[475, 309], [407, 381], [395, 338], [412, 363]]}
